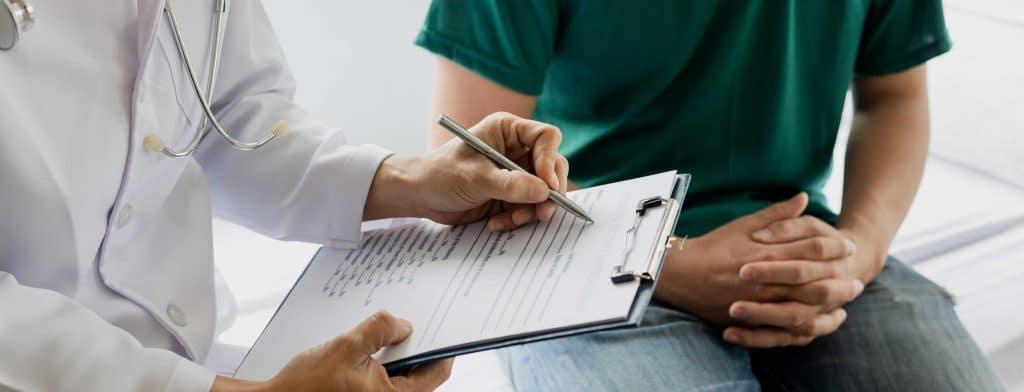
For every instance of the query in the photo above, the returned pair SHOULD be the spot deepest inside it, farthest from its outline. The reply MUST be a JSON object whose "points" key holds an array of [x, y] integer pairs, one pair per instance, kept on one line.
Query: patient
{"points": [[771, 290]]}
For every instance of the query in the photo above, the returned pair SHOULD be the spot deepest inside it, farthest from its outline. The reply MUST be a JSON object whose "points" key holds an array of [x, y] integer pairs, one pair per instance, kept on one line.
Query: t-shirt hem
{"points": [[914, 59], [477, 62]]}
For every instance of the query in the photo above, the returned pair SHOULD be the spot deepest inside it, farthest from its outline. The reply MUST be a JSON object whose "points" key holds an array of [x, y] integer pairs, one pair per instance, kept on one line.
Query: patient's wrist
{"points": [[671, 287], [871, 254]]}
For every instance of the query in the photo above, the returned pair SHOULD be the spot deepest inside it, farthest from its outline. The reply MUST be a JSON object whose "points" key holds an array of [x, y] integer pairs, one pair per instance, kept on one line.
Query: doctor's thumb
{"points": [[379, 330]]}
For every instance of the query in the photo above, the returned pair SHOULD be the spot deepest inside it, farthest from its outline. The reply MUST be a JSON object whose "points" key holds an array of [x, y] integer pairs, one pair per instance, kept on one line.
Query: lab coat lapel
{"points": [[150, 12]]}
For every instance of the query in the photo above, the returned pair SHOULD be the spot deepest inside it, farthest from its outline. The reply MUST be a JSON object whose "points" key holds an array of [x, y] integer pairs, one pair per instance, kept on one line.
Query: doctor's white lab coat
{"points": [[106, 270]]}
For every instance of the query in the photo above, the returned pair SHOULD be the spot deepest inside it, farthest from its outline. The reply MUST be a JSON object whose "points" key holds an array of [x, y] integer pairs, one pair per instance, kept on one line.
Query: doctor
{"points": [[107, 187]]}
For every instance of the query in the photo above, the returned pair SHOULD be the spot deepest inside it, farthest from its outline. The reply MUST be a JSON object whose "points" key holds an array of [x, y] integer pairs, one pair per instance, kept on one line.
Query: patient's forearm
{"points": [[885, 160], [468, 98]]}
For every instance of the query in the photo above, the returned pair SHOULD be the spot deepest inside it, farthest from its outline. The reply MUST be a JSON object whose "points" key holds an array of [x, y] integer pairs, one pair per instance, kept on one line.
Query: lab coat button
{"points": [[125, 216], [176, 315]]}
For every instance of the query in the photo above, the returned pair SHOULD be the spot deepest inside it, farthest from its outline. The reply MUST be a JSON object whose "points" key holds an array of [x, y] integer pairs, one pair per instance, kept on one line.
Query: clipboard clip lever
{"points": [[619, 272]]}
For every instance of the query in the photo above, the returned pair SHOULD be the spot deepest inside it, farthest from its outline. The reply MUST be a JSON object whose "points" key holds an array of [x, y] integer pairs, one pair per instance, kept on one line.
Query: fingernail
{"points": [[748, 274], [406, 326], [763, 235], [731, 336], [519, 217], [738, 312], [551, 210], [851, 248], [858, 287]]}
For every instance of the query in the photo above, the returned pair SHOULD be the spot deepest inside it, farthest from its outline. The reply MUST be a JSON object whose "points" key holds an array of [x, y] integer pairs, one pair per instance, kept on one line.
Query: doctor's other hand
{"points": [[704, 279], [454, 184], [346, 364]]}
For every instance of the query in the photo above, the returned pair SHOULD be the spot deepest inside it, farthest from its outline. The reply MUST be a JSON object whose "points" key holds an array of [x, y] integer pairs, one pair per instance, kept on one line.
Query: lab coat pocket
{"points": [[176, 108]]}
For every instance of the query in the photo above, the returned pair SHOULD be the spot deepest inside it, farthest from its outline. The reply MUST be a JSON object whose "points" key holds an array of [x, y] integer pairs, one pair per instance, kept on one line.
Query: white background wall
{"points": [[357, 67]]}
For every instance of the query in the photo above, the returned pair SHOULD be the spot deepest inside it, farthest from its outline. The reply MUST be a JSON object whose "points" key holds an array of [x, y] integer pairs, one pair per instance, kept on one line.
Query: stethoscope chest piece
{"points": [[15, 19]]}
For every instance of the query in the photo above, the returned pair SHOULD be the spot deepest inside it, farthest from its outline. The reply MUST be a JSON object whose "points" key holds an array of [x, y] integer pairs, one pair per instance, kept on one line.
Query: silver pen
{"points": [[503, 161]]}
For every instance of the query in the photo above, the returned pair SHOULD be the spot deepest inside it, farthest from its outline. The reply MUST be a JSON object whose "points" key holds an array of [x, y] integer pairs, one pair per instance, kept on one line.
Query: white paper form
{"points": [[465, 284]]}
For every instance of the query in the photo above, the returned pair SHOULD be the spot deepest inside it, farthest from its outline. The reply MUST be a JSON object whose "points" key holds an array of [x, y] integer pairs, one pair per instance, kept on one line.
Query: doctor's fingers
{"points": [[516, 215], [562, 172], [511, 186], [544, 211], [379, 330], [553, 169], [426, 377], [559, 181], [520, 135]]}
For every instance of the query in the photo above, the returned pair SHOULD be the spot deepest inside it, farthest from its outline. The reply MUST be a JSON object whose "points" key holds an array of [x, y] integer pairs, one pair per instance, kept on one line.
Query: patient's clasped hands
{"points": [[773, 278]]}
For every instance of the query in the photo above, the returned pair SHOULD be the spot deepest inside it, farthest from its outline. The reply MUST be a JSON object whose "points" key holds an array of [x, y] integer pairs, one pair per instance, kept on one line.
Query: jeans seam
{"points": [[723, 385]]}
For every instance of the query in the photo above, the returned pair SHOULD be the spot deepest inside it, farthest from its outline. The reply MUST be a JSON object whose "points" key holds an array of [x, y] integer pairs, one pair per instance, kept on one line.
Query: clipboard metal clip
{"points": [[619, 272]]}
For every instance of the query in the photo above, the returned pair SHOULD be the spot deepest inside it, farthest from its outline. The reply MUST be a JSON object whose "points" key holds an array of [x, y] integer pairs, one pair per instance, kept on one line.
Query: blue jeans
{"points": [[901, 335]]}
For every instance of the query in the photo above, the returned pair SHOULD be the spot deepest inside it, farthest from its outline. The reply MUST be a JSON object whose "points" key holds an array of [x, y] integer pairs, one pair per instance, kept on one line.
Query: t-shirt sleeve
{"points": [[507, 41], [901, 34]]}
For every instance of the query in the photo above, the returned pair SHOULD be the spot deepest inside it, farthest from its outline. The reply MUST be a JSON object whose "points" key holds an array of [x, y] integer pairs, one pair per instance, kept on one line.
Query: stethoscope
{"points": [[17, 18]]}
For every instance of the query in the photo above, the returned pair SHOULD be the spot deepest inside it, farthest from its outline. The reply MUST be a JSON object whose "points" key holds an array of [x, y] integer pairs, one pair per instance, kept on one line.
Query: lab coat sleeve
{"points": [[307, 186], [50, 343]]}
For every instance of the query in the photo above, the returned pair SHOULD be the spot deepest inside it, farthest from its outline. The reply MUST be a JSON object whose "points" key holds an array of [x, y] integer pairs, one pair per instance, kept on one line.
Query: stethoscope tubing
{"points": [[20, 13], [211, 82]]}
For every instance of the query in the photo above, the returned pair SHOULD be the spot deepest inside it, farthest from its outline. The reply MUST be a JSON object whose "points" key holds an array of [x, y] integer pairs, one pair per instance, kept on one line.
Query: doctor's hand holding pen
{"points": [[453, 185]]}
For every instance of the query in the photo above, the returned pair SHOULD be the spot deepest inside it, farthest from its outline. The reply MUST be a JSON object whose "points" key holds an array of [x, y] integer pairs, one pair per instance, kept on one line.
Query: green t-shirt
{"points": [[746, 95]]}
